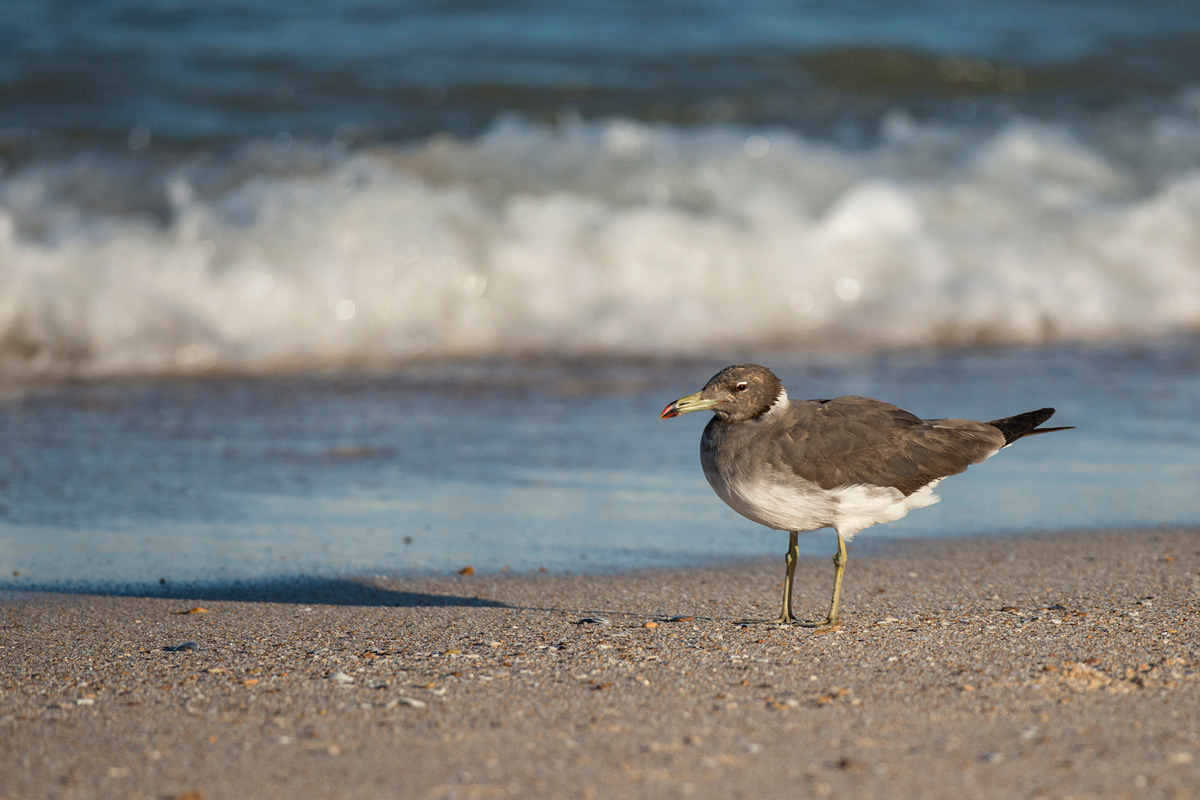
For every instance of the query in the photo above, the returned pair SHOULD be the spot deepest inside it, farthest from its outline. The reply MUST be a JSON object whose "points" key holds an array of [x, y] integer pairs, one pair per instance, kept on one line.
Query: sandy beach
{"points": [[1042, 666]]}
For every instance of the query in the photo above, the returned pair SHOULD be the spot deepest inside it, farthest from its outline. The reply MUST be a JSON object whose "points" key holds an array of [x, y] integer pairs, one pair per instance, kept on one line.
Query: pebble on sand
{"points": [[412, 702]]}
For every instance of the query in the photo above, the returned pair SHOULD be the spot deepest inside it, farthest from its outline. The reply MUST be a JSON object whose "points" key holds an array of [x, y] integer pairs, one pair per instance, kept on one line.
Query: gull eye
{"points": [[741, 386]]}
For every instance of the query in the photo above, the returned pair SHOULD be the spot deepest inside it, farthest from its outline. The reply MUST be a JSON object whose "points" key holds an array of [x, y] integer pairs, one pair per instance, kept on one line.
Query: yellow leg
{"points": [[786, 617], [793, 555], [839, 566]]}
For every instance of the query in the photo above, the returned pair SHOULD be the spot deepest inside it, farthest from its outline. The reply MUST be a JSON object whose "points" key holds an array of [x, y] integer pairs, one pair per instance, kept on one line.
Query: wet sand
{"points": [[1056, 666]]}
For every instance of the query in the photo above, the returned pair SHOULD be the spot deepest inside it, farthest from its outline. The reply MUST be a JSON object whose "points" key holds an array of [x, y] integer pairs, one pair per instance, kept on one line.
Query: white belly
{"points": [[786, 503]]}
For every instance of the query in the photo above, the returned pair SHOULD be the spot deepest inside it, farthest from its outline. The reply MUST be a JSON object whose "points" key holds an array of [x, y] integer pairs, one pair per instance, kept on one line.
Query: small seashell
{"points": [[184, 646], [341, 678]]}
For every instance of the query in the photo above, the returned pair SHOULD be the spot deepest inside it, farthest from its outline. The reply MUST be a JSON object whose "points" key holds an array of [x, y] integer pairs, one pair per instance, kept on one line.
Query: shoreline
{"points": [[362, 586], [1022, 666]]}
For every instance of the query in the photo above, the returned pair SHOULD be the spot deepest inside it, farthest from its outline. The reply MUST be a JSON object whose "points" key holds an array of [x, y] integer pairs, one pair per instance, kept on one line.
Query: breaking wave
{"points": [[605, 237]]}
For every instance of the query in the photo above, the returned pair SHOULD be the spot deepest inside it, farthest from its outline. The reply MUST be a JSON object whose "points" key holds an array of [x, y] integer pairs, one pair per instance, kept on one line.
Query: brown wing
{"points": [[857, 440]]}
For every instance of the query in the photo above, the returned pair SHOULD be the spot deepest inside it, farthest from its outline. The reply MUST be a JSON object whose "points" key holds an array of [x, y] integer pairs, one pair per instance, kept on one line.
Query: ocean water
{"points": [[528, 465], [342, 287]]}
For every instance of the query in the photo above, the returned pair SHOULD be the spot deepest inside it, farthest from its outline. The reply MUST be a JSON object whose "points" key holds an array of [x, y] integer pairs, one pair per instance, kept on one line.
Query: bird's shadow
{"points": [[296, 589]]}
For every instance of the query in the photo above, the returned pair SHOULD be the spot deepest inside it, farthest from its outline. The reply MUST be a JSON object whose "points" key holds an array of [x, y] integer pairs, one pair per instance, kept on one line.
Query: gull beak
{"points": [[686, 405]]}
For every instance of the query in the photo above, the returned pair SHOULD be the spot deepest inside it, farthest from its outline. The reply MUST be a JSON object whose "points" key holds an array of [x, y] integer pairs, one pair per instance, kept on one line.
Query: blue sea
{"points": [[351, 288]]}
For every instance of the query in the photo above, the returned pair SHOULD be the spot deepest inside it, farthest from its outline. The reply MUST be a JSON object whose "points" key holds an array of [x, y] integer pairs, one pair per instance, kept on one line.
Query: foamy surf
{"points": [[614, 237]]}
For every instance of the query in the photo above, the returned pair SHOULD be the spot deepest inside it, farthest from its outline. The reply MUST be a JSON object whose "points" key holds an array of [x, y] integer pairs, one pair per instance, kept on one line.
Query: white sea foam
{"points": [[604, 237]]}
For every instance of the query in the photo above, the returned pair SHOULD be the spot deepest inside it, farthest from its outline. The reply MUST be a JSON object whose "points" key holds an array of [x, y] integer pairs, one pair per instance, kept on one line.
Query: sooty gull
{"points": [[846, 464]]}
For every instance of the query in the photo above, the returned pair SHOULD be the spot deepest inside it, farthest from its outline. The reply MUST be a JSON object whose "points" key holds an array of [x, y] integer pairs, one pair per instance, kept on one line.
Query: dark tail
{"points": [[1026, 424]]}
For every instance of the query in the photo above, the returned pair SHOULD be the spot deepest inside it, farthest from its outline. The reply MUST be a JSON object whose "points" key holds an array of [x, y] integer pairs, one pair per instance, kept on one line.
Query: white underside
{"points": [[790, 506]]}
